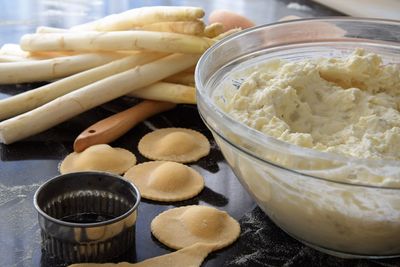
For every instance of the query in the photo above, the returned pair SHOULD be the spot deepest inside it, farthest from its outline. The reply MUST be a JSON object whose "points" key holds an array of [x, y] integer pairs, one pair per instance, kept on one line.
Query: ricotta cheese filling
{"points": [[346, 105]]}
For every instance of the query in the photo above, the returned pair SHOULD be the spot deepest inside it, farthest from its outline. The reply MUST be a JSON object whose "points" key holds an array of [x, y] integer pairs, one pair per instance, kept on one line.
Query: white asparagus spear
{"points": [[31, 99], [113, 41], [227, 33], [190, 70], [141, 16], [9, 58], [185, 27], [169, 92], [50, 69], [185, 78], [46, 29], [90, 96], [13, 50], [52, 54], [213, 30], [195, 27]]}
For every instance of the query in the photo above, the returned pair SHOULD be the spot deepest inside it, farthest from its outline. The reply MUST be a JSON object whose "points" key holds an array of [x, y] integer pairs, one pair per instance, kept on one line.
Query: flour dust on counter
{"points": [[16, 209], [263, 244]]}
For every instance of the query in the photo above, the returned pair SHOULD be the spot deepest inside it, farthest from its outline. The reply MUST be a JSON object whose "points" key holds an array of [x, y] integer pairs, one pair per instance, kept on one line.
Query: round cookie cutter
{"points": [[87, 216]]}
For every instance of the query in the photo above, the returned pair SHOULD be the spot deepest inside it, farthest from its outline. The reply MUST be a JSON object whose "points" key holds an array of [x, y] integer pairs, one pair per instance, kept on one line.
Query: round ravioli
{"points": [[165, 180], [174, 144], [99, 158], [182, 227]]}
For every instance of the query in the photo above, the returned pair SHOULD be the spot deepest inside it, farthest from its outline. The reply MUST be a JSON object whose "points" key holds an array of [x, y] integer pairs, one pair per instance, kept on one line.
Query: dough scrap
{"points": [[174, 144], [191, 256], [98, 158], [165, 180], [184, 226]]}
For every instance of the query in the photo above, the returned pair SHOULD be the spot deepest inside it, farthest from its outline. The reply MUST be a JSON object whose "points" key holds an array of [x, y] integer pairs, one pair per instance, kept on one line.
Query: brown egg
{"points": [[230, 20]]}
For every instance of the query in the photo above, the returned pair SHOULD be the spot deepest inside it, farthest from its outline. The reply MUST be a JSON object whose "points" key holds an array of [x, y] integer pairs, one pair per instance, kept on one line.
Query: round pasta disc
{"points": [[165, 180], [98, 158], [184, 226], [174, 144]]}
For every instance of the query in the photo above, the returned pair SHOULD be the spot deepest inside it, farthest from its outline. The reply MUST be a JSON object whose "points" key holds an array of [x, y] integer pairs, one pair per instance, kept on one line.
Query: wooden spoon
{"points": [[111, 128]]}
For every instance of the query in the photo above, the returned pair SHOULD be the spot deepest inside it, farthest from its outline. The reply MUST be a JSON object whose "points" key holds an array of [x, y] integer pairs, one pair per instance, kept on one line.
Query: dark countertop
{"points": [[27, 164]]}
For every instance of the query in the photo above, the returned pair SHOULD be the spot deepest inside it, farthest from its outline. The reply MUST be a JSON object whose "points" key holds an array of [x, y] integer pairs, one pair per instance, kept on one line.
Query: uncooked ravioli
{"points": [[99, 158], [165, 180], [191, 256], [184, 226], [174, 144]]}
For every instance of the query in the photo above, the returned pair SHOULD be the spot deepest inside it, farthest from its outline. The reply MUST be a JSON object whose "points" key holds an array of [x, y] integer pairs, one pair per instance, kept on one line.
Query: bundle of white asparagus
{"points": [[147, 52]]}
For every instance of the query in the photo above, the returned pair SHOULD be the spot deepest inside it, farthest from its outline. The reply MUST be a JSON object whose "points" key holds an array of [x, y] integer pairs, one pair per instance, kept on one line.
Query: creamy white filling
{"points": [[345, 105]]}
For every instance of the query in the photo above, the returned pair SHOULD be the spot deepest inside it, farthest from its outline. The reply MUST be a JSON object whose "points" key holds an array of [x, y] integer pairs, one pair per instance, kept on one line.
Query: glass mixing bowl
{"points": [[344, 206]]}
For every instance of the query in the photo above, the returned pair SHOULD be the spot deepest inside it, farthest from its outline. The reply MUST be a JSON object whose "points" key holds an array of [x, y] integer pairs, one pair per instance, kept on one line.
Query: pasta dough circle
{"points": [[189, 256], [184, 226], [98, 158], [174, 144], [203, 221], [165, 180]]}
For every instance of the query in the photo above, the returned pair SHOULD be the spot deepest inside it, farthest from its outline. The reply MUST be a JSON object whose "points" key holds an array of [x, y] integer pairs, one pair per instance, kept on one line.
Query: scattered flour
{"points": [[150, 125], [8, 194], [19, 229]]}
